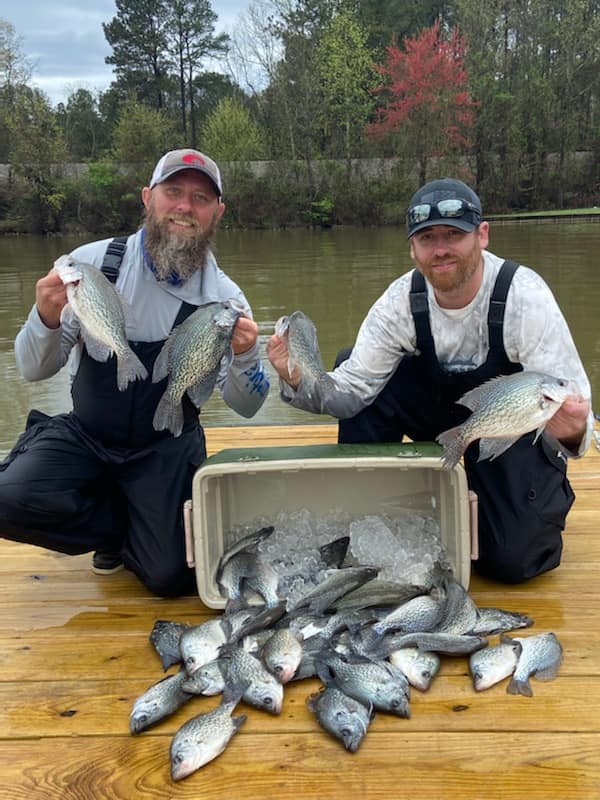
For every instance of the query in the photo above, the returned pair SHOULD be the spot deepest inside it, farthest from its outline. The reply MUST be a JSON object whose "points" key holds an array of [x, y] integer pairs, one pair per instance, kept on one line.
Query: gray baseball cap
{"points": [[446, 201], [176, 160]]}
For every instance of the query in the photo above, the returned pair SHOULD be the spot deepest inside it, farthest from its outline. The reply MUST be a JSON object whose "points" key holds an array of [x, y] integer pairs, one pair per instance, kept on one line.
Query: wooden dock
{"points": [[75, 655]]}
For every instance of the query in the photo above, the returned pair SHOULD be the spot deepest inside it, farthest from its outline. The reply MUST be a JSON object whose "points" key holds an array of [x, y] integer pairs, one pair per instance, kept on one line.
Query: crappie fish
{"points": [[304, 355], [421, 613], [205, 737], [497, 620], [207, 679], [459, 614], [419, 666], [200, 644], [376, 683], [539, 655], [335, 583], [504, 409], [97, 305], [341, 715], [159, 701], [263, 690], [191, 358], [281, 654], [492, 664], [165, 637]]}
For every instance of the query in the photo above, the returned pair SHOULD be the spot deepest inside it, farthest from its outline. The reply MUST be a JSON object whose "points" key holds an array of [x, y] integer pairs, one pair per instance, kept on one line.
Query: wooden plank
{"points": [[74, 654], [436, 765], [51, 708]]}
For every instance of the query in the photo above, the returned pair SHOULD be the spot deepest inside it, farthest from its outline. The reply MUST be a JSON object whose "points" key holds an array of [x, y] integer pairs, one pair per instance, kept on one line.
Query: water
{"points": [[332, 275]]}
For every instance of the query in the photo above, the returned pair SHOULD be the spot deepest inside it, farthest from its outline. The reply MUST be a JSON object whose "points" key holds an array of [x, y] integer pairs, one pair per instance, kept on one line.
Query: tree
{"points": [[190, 30], [230, 133], [138, 37], [140, 137], [426, 97], [82, 125], [37, 153], [347, 77], [15, 71]]}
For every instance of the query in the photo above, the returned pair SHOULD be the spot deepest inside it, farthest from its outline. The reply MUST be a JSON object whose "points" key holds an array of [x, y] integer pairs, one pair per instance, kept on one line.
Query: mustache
{"points": [[185, 218]]}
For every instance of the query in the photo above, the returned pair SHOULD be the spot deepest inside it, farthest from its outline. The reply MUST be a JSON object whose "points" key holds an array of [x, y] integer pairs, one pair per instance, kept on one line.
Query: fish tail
{"points": [[517, 686], [168, 415], [129, 368], [454, 446]]}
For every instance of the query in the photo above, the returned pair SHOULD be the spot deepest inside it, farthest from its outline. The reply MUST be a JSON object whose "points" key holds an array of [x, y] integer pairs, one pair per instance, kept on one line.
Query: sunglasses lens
{"points": [[451, 208], [419, 213]]}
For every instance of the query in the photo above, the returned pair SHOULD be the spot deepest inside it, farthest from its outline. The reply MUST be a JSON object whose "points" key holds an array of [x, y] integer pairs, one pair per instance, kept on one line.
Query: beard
{"points": [[173, 254]]}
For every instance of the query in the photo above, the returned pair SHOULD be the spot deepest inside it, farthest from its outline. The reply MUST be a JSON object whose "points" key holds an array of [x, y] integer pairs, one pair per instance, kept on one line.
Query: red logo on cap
{"points": [[189, 158]]}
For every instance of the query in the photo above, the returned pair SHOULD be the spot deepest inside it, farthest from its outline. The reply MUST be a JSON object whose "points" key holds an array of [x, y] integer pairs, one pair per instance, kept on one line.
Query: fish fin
{"points": [[129, 368], [161, 365], [538, 433], [67, 315], [547, 674], [454, 446], [238, 721], [200, 392], [168, 416], [473, 398], [96, 349], [520, 687], [492, 448]]}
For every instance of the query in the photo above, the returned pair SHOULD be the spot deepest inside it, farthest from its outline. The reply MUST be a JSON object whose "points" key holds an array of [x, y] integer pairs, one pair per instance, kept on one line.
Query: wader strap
{"points": [[185, 309], [498, 304], [420, 311], [111, 263]]}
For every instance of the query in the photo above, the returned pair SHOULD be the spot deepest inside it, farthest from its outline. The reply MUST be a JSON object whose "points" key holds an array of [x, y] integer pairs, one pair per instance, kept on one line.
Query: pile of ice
{"points": [[405, 547]]}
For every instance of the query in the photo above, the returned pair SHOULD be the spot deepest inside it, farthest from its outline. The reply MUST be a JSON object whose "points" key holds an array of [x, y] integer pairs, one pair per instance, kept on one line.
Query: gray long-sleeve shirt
{"points": [[536, 336], [151, 309]]}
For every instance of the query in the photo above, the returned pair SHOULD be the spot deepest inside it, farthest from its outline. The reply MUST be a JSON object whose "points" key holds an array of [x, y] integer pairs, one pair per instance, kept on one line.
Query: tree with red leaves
{"points": [[427, 101]]}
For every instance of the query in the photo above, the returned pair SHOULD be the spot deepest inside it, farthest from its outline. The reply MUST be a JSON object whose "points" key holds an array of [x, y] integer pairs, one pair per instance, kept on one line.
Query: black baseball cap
{"points": [[446, 201]]}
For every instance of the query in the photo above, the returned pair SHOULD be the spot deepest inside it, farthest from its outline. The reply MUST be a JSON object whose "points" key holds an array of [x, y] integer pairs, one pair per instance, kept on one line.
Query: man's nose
{"points": [[184, 202]]}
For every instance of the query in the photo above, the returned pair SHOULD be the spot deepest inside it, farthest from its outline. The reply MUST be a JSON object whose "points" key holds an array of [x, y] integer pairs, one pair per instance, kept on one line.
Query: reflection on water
{"points": [[334, 276]]}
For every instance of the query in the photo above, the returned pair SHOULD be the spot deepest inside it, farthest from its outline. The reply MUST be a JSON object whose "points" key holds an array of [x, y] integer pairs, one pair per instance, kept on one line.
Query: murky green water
{"points": [[334, 276]]}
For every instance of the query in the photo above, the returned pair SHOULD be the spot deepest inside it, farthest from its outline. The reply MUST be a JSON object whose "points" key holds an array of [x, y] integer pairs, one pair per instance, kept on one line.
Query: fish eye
{"points": [[178, 758], [268, 701], [346, 732], [278, 669], [395, 703]]}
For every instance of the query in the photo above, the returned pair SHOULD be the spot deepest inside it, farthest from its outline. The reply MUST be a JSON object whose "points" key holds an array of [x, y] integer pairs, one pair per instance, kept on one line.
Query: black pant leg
{"points": [[524, 497], [52, 491], [156, 482]]}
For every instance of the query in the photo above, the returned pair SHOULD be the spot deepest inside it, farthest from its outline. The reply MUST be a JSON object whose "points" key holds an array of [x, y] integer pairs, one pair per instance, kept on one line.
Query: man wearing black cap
{"points": [[102, 478], [461, 317]]}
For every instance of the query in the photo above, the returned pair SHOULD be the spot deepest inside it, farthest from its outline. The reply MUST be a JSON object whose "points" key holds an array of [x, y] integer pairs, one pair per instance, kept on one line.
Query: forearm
{"points": [[245, 386], [40, 352]]}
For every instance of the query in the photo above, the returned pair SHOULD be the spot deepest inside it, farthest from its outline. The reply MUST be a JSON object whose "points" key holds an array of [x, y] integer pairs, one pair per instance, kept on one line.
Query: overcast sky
{"points": [[65, 42]]}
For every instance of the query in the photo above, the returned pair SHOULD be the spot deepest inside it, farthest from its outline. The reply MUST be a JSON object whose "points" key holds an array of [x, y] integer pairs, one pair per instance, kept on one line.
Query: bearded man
{"points": [[101, 478]]}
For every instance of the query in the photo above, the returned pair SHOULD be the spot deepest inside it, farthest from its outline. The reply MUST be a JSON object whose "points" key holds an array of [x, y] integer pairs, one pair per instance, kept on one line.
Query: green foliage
{"points": [[230, 133], [37, 152], [140, 137], [347, 78]]}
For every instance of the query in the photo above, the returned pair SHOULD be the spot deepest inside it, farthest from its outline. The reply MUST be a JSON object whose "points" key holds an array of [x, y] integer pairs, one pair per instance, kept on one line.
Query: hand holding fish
{"points": [[245, 335], [568, 424], [50, 298], [277, 351]]}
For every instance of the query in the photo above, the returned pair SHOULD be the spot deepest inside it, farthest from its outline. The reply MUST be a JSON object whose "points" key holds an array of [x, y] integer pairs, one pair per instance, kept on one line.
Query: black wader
{"points": [[524, 494], [101, 478]]}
